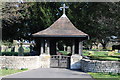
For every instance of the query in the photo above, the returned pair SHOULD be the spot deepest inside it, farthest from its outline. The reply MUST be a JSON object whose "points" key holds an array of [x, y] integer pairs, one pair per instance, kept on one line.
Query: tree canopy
{"points": [[99, 20]]}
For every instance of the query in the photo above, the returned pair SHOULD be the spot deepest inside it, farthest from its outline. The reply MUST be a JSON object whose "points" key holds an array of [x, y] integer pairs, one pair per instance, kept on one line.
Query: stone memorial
{"points": [[64, 47], [20, 50], [16, 48], [69, 49]]}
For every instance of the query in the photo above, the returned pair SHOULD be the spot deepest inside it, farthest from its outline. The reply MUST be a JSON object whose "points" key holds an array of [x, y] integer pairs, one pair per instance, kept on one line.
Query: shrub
{"points": [[24, 68], [12, 54]]}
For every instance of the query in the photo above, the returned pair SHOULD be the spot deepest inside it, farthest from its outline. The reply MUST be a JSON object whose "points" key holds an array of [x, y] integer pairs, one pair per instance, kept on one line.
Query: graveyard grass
{"points": [[4, 72], [102, 55], [105, 75]]}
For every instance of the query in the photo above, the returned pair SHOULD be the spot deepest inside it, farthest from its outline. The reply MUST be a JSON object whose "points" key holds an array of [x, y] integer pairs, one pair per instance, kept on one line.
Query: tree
{"points": [[28, 20], [99, 20]]}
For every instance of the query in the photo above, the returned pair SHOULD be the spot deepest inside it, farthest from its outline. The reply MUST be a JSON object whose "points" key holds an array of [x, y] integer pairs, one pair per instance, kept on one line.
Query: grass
{"points": [[64, 52], [111, 76], [102, 55], [4, 72], [26, 49]]}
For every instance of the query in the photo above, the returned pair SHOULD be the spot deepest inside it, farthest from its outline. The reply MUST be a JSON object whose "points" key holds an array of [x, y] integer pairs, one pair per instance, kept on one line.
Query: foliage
{"points": [[99, 20], [33, 18], [24, 68]]}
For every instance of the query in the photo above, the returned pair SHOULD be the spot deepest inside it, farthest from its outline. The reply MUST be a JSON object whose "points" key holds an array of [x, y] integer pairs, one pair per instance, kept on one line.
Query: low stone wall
{"points": [[30, 62], [43, 61], [100, 66], [18, 62]]}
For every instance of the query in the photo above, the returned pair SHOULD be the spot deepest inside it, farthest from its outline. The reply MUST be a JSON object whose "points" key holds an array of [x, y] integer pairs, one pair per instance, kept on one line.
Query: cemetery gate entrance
{"points": [[60, 61]]}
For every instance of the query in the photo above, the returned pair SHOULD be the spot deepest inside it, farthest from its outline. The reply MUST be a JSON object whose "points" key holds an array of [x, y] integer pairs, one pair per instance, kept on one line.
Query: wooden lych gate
{"points": [[60, 61]]}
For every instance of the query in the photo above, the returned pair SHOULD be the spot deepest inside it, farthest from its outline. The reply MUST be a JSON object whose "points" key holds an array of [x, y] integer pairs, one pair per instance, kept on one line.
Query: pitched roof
{"points": [[61, 28]]}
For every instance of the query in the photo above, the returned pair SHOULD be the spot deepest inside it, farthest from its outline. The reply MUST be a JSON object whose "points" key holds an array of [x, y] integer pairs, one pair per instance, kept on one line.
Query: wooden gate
{"points": [[60, 61]]}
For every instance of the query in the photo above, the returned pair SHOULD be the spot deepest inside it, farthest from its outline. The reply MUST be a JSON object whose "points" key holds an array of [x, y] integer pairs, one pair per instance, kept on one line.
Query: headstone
{"points": [[5, 48], [20, 51], [2, 48], [69, 49], [16, 48], [64, 47], [14, 42]]}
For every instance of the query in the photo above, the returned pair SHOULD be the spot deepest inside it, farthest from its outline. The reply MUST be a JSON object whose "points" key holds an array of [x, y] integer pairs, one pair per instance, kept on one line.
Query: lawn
{"points": [[102, 55], [4, 72], [105, 76]]}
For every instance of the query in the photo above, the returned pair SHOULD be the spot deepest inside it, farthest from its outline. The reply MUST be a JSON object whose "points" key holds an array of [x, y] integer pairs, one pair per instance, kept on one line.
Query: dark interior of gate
{"points": [[59, 60]]}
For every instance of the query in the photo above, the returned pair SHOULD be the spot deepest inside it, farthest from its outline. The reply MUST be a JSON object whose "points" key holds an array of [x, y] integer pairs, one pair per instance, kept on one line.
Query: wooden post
{"points": [[80, 48], [73, 48], [42, 46]]}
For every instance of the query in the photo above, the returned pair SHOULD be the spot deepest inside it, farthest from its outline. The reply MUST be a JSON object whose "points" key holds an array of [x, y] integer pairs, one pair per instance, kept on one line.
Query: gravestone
{"points": [[64, 47], [20, 51], [16, 48], [5, 48], [69, 49], [2, 48]]}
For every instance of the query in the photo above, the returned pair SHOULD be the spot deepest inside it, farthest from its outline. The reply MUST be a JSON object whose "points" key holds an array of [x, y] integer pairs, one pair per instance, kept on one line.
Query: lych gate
{"points": [[62, 29]]}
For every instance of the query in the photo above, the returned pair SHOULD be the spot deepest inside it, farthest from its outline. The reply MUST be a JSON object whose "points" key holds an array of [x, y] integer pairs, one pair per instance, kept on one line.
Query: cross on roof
{"points": [[64, 8]]}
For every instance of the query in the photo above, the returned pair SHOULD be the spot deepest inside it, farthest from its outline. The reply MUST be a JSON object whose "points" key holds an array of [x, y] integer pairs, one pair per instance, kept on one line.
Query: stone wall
{"points": [[43, 61], [30, 62], [100, 66]]}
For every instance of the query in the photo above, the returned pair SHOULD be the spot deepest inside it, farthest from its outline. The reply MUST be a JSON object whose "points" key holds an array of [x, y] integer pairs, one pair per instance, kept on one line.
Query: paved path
{"points": [[50, 73]]}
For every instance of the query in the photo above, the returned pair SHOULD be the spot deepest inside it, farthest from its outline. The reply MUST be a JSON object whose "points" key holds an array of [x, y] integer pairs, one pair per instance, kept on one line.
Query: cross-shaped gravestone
{"points": [[64, 8]]}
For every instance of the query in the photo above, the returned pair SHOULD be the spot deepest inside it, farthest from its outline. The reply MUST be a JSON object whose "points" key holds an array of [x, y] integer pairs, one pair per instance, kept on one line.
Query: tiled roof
{"points": [[61, 28]]}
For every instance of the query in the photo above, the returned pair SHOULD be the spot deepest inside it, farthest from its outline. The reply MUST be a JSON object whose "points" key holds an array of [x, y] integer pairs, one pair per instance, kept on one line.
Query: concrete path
{"points": [[50, 73]]}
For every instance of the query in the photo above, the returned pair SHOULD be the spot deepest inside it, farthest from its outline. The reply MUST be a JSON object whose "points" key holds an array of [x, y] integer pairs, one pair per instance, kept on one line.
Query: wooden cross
{"points": [[64, 8]]}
